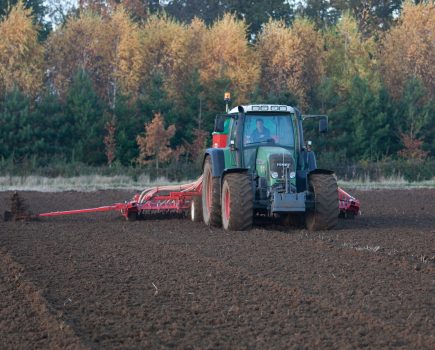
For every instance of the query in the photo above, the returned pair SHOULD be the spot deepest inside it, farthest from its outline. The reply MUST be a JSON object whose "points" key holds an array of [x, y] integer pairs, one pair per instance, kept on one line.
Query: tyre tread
{"points": [[325, 214], [241, 217], [215, 218]]}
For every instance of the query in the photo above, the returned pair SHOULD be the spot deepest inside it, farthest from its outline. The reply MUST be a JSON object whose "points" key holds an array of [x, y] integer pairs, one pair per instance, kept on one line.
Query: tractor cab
{"points": [[264, 140]]}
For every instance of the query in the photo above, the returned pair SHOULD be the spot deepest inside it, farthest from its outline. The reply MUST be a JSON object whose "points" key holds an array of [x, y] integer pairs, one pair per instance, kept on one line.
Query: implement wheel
{"points": [[324, 215], [237, 202], [211, 207], [196, 209]]}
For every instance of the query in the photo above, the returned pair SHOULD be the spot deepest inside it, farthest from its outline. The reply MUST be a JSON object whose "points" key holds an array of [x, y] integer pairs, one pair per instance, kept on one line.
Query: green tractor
{"points": [[259, 165]]}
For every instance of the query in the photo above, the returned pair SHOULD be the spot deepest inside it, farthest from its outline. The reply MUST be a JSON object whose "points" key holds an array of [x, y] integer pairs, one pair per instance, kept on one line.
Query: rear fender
{"points": [[234, 170], [217, 161]]}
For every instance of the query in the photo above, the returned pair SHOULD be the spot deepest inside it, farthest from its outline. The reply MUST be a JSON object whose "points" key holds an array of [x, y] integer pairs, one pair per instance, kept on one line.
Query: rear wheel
{"points": [[237, 202], [211, 208], [324, 215], [196, 209]]}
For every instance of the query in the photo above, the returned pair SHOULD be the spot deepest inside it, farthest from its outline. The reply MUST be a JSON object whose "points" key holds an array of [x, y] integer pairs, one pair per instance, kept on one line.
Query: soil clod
{"points": [[19, 210]]}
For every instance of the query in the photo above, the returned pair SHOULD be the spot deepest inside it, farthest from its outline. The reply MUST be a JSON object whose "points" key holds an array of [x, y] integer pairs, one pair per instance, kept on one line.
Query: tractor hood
{"points": [[272, 162]]}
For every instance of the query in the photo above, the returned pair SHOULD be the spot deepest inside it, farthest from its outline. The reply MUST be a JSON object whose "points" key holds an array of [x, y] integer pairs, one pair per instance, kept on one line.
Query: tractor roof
{"points": [[264, 108]]}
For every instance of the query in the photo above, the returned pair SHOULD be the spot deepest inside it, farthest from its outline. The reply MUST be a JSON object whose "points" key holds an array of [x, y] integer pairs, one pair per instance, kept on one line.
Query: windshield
{"points": [[276, 129]]}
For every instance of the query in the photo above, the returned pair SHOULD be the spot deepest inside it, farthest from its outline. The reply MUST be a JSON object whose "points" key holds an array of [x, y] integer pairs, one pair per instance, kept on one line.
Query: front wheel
{"points": [[237, 202], [324, 215]]}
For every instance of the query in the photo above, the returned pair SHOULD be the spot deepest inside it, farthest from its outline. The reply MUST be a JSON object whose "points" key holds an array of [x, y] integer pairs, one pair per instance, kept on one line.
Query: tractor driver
{"points": [[260, 133]]}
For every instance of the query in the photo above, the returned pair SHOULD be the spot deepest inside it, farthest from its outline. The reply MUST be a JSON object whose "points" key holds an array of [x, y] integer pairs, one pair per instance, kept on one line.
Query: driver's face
{"points": [[260, 125]]}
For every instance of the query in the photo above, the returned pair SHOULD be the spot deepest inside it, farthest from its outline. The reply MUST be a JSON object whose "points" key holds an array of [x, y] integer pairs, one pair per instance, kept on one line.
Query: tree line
{"points": [[123, 82]]}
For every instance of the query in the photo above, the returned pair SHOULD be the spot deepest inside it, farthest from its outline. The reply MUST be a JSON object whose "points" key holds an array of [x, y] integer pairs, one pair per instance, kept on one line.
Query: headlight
{"points": [[292, 175], [274, 174]]}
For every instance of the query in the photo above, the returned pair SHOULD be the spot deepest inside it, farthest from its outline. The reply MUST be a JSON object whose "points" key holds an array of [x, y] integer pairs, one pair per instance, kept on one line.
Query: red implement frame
{"points": [[177, 199], [348, 205], [162, 199]]}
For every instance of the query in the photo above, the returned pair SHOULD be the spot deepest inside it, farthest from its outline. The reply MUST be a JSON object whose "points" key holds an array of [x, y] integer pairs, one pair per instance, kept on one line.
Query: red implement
{"points": [[177, 199], [348, 205], [162, 199], [114, 207]]}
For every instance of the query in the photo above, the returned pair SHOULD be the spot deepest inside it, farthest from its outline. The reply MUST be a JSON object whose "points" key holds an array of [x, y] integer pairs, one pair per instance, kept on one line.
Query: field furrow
{"points": [[97, 281]]}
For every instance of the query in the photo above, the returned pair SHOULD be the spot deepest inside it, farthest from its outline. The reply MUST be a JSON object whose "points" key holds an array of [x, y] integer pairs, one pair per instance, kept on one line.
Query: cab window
{"points": [[276, 129]]}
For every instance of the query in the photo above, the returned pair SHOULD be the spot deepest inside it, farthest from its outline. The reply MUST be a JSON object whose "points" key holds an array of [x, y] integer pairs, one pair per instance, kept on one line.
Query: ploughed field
{"points": [[95, 281]]}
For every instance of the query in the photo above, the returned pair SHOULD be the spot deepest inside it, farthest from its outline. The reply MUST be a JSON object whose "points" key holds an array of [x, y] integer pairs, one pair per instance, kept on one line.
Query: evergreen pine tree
{"points": [[84, 112], [49, 123], [129, 124]]}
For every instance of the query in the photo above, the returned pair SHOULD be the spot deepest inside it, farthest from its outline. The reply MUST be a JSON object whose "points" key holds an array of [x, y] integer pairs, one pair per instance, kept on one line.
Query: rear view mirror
{"points": [[323, 125], [323, 121], [219, 123]]}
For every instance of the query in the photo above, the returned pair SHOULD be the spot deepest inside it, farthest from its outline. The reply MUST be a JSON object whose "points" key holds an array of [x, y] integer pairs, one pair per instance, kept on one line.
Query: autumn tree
{"points": [[186, 67], [291, 59], [197, 147], [36, 6], [408, 49], [412, 148], [21, 55], [84, 43], [164, 49], [128, 56], [227, 62], [38, 10], [108, 48], [154, 145], [170, 79]]}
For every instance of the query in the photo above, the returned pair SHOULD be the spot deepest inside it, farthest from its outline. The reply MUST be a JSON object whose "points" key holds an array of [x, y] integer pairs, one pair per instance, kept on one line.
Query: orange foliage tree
{"points": [[226, 57], [408, 49], [291, 59], [127, 50], [83, 43], [164, 46], [21, 55], [171, 54], [108, 48], [413, 148], [186, 67], [196, 148], [154, 145]]}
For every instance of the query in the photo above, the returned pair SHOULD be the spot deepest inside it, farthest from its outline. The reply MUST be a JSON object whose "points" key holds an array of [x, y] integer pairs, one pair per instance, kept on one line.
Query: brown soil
{"points": [[96, 281]]}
